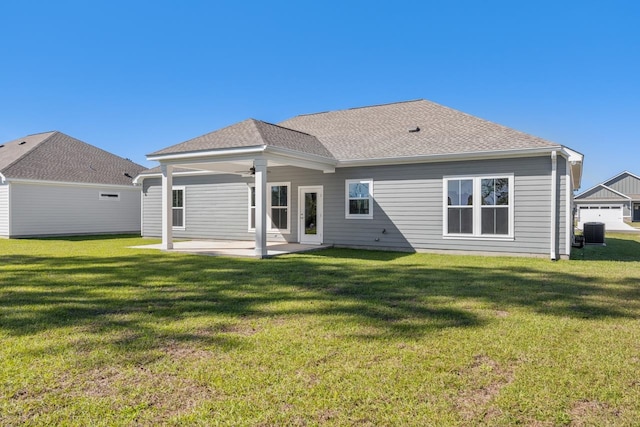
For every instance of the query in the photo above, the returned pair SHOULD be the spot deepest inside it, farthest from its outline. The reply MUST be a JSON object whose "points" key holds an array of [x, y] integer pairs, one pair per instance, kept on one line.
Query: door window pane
{"points": [[310, 213]]}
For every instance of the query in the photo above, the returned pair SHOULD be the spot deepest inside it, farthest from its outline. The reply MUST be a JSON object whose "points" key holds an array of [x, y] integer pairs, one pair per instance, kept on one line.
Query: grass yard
{"points": [[94, 333]]}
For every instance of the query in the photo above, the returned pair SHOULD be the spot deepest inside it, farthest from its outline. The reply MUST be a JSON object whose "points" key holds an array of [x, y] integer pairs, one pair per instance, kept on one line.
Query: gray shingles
{"points": [[54, 156], [251, 133], [375, 132], [383, 132]]}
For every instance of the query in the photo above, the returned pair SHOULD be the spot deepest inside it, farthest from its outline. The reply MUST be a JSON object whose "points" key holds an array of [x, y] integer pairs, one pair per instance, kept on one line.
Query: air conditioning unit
{"points": [[593, 233]]}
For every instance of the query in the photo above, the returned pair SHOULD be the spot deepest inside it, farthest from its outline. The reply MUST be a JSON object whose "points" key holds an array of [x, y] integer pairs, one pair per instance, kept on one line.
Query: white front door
{"points": [[310, 215]]}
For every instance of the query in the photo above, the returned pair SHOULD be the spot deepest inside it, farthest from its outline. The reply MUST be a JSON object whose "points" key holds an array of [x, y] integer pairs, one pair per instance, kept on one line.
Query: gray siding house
{"points": [[408, 176], [613, 201], [53, 184]]}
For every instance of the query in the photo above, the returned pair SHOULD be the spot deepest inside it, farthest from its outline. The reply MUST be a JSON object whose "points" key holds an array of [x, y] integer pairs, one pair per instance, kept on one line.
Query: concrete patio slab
{"points": [[234, 248]]}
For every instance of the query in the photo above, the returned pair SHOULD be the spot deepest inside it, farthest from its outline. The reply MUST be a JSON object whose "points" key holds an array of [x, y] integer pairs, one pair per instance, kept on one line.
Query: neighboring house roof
{"points": [[55, 156], [604, 190], [621, 174], [601, 192], [251, 133], [391, 131]]}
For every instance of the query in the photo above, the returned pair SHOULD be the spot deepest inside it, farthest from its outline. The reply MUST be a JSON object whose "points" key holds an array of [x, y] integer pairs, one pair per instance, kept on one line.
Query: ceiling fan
{"points": [[248, 173]]}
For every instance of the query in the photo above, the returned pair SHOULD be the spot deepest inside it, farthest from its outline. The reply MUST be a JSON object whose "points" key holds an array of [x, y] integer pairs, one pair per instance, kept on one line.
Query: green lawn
{"points": [[94, 333]]}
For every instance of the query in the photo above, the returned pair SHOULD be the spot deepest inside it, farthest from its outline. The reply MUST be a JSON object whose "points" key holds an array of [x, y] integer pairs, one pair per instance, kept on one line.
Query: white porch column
{"points": [[260, 166], [167, 206]]}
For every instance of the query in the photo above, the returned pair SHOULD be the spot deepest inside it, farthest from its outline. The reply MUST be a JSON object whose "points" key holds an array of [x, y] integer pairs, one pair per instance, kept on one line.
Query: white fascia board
{"points": [[175, 158], [572, 155], [435, 158], [575, 160], [71, 184], [138, 179], [2, 179]]}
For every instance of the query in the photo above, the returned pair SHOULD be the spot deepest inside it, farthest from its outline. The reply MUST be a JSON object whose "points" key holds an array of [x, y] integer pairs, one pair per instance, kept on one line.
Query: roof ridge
{"points": [[28, 152], [361, 107]]}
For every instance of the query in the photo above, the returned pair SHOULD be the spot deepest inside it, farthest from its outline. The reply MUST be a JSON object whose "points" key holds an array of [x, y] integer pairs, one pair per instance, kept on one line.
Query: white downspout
{"points": [[260, 166], [554, 205], [167, 207]]}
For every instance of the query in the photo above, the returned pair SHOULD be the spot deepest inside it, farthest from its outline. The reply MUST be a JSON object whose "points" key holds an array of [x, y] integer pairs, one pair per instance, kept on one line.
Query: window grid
{"points": [[478, 206]]}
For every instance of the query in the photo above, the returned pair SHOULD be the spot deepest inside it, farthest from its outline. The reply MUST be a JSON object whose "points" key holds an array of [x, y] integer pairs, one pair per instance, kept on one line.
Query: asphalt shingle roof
{"points": [[54, 156], [374, 132], [383, 131], [251, 133]]}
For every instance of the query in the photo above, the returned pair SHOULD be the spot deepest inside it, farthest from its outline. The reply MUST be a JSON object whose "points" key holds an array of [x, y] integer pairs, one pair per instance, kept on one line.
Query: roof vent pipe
{"points": [[417, 129]]}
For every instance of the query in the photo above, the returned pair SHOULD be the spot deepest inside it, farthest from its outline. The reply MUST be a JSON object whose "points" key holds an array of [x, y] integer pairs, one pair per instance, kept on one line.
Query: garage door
{"points": [[609, 214]]}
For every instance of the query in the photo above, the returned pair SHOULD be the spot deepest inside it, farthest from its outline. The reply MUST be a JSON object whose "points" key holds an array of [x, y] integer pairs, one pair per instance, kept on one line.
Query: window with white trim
{"points": [[178, 207], [278, 207], [104, 195], [359, 198], [478, 206]]}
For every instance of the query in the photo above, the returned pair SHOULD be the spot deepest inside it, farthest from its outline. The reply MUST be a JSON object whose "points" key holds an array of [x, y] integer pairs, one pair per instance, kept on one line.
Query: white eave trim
{"points": [[572, 155], [434, 158], [206, 154], [137, 180], [71, 184], [2, 179], [269, 153]]}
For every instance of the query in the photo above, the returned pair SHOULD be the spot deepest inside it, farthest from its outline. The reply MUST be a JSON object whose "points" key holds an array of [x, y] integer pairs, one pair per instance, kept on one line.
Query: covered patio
{"points": [[247, 148], [234, 248]]}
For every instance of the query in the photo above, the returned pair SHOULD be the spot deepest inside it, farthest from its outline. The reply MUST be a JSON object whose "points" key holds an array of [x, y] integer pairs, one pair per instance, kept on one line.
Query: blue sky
{"points": [[132, 77]]}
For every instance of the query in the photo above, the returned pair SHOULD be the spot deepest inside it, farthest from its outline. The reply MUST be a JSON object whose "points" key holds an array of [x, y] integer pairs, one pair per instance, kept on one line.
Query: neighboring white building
{"points": [[53, 184], [611, 202]]}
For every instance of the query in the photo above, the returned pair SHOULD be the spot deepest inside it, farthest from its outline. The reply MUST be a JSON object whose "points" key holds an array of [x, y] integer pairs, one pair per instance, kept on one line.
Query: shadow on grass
{"points": [[379, 295], [617, 248]]}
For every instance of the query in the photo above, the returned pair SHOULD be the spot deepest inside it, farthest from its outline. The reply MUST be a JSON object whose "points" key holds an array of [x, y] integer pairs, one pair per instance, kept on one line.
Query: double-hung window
{"points": [[359, 198], [178, 208], [278, 207], [478, 206]]}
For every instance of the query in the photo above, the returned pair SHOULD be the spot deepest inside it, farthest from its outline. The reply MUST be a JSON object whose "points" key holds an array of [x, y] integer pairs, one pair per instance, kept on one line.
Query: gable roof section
{"points": [[618, 176], [55, 156], [251, 133], [601, 192], [389, 131], [604, 190]]}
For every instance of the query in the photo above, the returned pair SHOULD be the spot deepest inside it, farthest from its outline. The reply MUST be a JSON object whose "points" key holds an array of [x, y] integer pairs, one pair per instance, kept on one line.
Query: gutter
{"points": [[64, 183], [450, 157]]}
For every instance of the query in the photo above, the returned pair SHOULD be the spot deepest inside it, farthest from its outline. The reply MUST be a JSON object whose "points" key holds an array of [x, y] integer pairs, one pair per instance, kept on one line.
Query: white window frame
{"points": [[348, 215], [108, 195], [184, 207], [477, 207], [250, 208]]}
